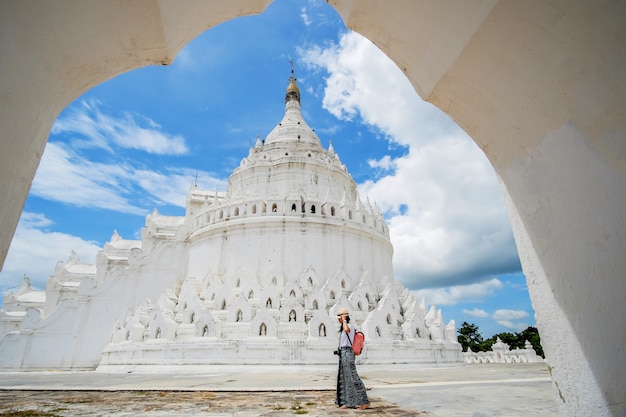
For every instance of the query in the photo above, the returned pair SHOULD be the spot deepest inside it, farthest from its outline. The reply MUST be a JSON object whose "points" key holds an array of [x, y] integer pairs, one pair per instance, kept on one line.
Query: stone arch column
{"points": [[538, 85], [534, 85]]}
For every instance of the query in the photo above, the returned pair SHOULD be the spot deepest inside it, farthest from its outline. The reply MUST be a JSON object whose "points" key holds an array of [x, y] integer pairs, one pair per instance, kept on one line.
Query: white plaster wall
{"points": [[322, 183], [568, 296], [528, 80], [263, 351], [256, 246], [537, 86], [76, 331]]}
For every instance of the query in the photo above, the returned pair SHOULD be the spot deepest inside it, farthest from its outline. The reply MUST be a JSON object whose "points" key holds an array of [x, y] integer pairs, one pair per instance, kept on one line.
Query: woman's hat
{"points": [[342, 311]]}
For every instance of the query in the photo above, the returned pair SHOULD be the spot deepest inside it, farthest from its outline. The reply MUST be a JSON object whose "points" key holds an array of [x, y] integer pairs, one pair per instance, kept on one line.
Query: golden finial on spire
{"points": [[293, 92]]}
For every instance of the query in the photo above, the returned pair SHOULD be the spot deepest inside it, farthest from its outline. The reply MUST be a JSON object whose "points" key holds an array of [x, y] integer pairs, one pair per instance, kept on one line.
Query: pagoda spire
{"points": [[293, 127], [293, 92]]}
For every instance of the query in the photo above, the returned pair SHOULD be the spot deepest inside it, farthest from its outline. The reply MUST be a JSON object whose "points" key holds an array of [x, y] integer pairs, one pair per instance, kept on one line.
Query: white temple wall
{"points": [[265, 350], [120, 293], [64, 283], [324, 172], [54, 345], [252, 351], [55, 293], [9, 322], [74, 334], [403, 352], [164, 268], [254, 246]]}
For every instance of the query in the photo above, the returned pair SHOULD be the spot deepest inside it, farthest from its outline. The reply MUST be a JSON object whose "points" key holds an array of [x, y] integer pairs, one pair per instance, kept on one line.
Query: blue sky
{"points": [[138, 142]]}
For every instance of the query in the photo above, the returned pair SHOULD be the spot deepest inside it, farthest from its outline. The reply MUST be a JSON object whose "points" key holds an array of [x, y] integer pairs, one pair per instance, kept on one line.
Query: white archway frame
{"points": [[537, 85]]}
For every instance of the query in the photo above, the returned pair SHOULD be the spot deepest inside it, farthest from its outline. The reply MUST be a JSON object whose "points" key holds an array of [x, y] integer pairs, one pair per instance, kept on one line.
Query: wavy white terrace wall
{"points": [[501, 353]]}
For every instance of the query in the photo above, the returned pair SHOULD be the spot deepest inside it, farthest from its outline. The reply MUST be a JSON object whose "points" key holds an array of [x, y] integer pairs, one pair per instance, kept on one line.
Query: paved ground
{"points": [[503, 390], [192, 403]]}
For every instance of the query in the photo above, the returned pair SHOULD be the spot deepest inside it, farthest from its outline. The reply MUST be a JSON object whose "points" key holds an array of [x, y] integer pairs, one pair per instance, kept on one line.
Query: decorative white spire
{"points": [[293, 92], [292, 127]]}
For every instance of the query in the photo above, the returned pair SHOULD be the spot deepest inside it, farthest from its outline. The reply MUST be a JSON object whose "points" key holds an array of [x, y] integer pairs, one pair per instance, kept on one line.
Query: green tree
{"points": [[485, 345], [532, 335], [515, 340], [469, 336], [508, 338]]}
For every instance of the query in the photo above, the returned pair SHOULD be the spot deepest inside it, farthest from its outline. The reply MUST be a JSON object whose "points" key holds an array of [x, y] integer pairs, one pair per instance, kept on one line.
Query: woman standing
{"points": [[351, 392]]}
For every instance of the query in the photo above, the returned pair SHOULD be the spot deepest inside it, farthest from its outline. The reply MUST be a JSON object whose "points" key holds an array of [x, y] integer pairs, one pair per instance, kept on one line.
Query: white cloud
{"points": [[305, 17], [35, 251], [517, 327], [173, 186], [455, 228], [476, 312], [509, 315], [169, 188], [68, 177], [90, 127], [65, 176], [459, 293], [385, 163], [510, 319]]}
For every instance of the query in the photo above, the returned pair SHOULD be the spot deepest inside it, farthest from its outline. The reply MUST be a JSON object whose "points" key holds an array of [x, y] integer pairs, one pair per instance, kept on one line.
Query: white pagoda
{"points": [[252, 275]]}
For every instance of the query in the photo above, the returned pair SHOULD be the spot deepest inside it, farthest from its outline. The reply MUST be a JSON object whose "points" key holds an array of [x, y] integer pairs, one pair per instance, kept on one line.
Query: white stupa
{"points": [[252, 275]]}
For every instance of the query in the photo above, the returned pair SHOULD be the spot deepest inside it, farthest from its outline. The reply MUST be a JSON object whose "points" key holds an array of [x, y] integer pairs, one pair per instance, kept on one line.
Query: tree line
{"points": [[469, 336]]}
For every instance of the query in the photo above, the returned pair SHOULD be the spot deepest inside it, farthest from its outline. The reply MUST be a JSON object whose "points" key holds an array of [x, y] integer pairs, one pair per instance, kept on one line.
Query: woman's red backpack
{"points": [[359, 341]]}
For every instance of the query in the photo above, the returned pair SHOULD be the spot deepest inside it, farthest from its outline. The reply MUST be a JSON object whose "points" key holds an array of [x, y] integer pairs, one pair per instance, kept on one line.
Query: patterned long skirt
{"points": [[351, 391]]}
